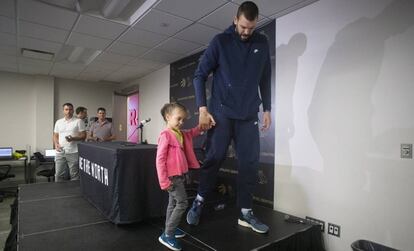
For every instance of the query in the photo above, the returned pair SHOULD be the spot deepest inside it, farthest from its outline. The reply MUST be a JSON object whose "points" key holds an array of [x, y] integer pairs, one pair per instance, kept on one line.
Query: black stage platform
{"points": [[55, 216]]}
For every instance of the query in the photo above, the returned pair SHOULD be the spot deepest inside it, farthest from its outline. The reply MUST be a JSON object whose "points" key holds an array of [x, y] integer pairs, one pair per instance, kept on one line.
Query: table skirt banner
{"points": [[120, 180]]}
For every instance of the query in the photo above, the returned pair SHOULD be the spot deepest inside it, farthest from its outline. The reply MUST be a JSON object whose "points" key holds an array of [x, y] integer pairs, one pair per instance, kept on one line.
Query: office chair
{"points": [[49, 173], [4, 174]]}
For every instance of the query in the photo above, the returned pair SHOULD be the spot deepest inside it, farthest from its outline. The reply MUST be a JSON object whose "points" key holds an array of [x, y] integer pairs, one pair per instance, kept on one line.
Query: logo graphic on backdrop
{"points": [[182, 90], [132, 132]]}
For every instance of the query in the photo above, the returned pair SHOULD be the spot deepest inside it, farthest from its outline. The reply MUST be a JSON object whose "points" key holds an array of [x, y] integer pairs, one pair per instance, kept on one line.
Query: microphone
{"points": [[143, 122]]}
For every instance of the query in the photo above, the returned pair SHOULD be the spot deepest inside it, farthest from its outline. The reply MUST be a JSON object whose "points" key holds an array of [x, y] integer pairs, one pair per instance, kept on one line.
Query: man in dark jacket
{"points": [[240, 62]]}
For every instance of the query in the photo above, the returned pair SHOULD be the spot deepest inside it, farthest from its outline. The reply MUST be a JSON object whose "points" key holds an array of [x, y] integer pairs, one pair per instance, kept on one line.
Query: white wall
{"points": [[26, 108], [154, 92], [91, 95], [43, 110], [30, 105], [344, 104], [119, 117]]}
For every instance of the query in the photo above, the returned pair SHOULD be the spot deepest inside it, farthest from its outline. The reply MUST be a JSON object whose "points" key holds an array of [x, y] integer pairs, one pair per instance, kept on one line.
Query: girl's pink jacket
{"points": [[174, 159]]}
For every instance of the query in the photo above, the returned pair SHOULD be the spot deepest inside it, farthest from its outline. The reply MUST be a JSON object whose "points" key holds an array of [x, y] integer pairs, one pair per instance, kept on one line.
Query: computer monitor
{"points": [[6, 153]]}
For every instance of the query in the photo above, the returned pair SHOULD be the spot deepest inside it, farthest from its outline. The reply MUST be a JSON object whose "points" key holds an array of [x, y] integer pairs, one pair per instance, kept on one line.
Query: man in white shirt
{"points": [[68, 131]]}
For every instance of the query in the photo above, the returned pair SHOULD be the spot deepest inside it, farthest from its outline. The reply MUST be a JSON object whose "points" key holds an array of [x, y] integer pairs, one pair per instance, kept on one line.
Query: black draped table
{"points": [[120, 180]]}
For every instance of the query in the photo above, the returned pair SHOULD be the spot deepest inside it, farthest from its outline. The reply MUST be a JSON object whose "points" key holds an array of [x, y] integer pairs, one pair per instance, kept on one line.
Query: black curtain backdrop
{"points": [[182, 91]]}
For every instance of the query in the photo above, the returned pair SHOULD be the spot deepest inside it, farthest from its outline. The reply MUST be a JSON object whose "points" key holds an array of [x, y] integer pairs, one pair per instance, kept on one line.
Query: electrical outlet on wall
{"points": [[334, 229], [321, 223], [406, 151]]}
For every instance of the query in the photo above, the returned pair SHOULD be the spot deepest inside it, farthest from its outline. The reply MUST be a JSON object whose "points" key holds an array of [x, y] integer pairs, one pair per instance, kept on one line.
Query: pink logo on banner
{"points": [[132, 131]]}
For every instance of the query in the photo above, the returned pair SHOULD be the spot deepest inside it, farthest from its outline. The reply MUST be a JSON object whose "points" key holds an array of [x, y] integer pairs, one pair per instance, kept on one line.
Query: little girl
{"points": [[175, 155]]}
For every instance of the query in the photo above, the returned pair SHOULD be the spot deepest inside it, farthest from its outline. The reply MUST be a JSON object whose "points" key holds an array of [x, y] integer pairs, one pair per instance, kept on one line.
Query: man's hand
{"points": [[266, 121], [205, 119], [58, 148]]}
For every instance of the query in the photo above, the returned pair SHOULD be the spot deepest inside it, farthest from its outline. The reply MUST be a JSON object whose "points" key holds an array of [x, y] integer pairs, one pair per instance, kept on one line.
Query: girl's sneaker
{"points": [[179, 233], [170, 242]]}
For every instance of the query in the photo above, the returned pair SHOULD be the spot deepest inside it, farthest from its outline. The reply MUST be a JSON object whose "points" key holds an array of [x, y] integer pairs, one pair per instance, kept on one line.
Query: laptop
{"points": [[6, 153], [50, 153]]}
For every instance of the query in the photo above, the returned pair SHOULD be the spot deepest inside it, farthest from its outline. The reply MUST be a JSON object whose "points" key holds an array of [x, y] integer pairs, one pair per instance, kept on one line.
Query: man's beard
{"points": [[243, 37]]}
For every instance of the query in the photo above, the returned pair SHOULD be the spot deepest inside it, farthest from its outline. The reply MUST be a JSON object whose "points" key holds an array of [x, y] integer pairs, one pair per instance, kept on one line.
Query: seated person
{"points": [[101, 130]]}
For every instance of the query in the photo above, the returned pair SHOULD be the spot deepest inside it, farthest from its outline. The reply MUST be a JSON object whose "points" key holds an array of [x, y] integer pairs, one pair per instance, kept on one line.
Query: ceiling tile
{"points": [[32, 66], [294, 5], [86, 41], [97, 74], [196, 50], [270, 7], [104, 65], [8, 50], [161, 56], [33, 69], [10, 67], [198, 33], [190, 9], [7, 8], [95, 71], [66, 70], [114, 58], [263, 21], [115, 78], [132, 70], [165, 34], [7, 39], [31, 61], [128, 49], [68, 67], [7, 25], [127, 73], [141, 37], [42, 32], [64, 53], [67, 4], [41, 13], [90, 77], [64, 74], [146, 64], [177, 46], [8, 59], [162, 23], [68, 55], [222, 17], [99, 27], [41, 45]]}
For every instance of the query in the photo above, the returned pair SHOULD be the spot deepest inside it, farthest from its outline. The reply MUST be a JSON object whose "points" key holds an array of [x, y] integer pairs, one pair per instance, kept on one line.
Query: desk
{"points": [[13, 162], [120, 180]]}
